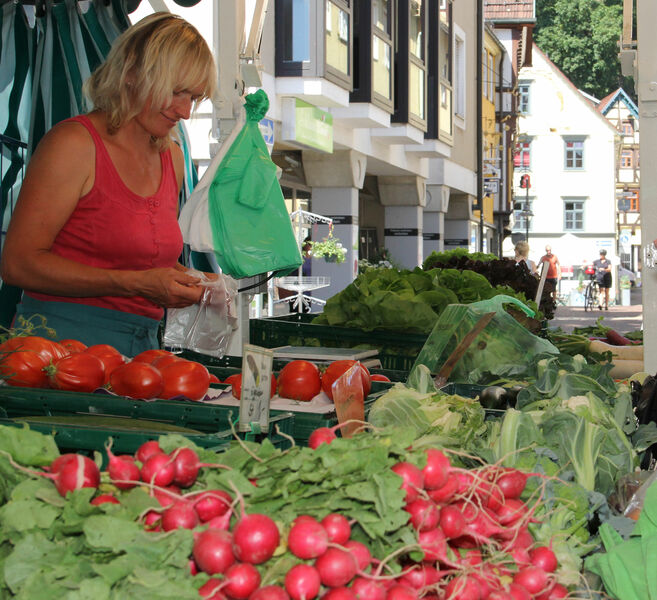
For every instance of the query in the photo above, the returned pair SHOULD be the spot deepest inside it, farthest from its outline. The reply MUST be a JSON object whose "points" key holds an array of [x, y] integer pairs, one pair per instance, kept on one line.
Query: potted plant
{"points": [[330, 248]]}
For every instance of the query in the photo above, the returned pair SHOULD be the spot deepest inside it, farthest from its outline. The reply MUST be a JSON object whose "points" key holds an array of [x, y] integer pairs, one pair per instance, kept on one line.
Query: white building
{"points": [[568, 149]]}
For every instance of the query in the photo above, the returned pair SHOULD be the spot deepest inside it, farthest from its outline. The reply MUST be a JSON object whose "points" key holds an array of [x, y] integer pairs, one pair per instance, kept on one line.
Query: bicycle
{"points": [[592, 291]]}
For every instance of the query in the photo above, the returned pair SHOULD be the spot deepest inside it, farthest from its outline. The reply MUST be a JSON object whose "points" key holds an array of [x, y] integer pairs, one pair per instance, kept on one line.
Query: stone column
{"points": [[404, 198], [335, 180], [434, 218]]}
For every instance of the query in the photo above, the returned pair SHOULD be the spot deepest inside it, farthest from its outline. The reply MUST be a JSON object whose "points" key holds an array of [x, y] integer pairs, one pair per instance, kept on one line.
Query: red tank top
{"points": [[114, 228]]}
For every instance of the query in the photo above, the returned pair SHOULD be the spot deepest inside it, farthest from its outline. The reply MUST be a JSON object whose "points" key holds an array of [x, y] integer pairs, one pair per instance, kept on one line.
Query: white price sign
{"points": [[256, 388]]}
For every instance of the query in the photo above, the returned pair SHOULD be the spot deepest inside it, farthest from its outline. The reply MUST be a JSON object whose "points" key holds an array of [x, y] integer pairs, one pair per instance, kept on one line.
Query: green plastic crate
{"points": [[471, 390], [205, 418], [397, 351], [77, 434]]}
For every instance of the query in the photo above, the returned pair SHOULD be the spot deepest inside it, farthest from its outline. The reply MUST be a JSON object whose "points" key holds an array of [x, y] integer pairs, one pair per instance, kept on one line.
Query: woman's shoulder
{"points": [[69, 136]]}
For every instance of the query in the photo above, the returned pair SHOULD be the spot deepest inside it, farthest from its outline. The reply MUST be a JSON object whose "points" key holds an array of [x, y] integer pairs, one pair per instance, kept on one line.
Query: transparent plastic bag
{"points": [[205, 327]]}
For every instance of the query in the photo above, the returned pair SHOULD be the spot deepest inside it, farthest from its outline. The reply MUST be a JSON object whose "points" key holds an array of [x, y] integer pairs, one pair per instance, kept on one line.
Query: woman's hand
{"points": [[170, 287]]}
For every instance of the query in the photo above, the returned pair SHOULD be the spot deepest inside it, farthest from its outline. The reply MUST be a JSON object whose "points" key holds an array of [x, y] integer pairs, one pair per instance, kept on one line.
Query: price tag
{"points": [[256, 389], [349, 400]]}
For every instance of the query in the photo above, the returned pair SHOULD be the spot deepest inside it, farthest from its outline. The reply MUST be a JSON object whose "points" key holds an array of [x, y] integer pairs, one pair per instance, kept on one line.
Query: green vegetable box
{"points": [[85, 421]]}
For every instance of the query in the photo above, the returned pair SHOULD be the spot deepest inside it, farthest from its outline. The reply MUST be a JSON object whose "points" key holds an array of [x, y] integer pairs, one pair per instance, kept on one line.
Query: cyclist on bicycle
{"points": [[603, 276]]}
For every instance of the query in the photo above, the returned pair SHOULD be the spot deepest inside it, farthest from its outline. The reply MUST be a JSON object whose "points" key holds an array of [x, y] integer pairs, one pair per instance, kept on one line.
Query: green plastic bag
{"points": [[503, 347], [251, 227]]}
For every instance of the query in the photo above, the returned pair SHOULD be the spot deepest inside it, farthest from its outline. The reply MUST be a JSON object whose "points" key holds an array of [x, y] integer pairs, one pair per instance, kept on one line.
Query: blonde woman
{"points": [[522, 255], [94, 239]]}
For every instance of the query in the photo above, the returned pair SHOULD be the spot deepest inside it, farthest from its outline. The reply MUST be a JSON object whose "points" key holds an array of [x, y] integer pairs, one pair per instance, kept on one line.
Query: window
{"points": [[459, 76], [491, 77], [337, 37], [627, 127], [626, 159], [573, 217], [522, 157], [634, 202], [574, 150], [523, 97], [522, 211]]}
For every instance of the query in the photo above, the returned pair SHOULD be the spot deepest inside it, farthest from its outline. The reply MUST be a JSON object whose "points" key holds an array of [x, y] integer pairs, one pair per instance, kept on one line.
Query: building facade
{"points": [[568, 151]]}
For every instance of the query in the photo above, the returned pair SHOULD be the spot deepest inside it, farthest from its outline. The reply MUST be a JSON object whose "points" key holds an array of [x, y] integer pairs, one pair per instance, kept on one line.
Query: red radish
{"points": [[193, 569], [436, 470], [517, 592], [270, 592], [221, 522], [152, 520], [452, 522], [412, 477], [181, 515], [166, 496], [543, 558], [466, 481], [434, 545], [360, 552], [307, 539], [462, 587], [512, 483], [211, 590], [472, 558], [341, 593], [302, 582], [424, 513], [104, 499], [556, 593], [368, 589], [533, 579], [336, 567], [337, 527], [73, 474], [255, 537], [321, 435], [499, 595], [211, 504], [420, 576], [401, 592], [158, 470], [60, 461], [147, 449], [242, 579], [213, 551], [444, 494], [511, 511], [122, 471]]}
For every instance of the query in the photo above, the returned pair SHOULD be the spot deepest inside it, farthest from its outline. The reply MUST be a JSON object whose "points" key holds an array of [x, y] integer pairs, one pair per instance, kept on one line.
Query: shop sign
{"points": [[307, 125]]}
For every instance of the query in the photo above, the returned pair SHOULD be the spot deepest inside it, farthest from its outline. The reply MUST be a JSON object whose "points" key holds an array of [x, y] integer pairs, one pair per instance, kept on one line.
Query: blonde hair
{"points": [[522, 248], [160, 54]]}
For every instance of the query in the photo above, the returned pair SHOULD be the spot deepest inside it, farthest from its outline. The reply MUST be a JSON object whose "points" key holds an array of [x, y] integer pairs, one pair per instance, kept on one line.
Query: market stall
{"points": [[526, 475]]}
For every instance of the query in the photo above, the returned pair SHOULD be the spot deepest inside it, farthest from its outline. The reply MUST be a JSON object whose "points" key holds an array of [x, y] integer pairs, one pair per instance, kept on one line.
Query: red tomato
{"points": [[299, 380], [109, 356], [148, 356], [185, 378], [337, 368], [73, 346], [236, 384], [79, 372], [24, 368], [214, 378], [136, 380], [378, 377], [47, 349], [166, 359]]}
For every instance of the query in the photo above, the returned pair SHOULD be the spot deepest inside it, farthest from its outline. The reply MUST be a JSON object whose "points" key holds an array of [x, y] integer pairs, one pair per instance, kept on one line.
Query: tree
{"points": [[581, 38]]}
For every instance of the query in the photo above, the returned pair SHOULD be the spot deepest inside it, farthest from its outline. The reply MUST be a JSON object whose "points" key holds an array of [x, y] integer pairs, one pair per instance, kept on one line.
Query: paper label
{"points": [[256, 389]]}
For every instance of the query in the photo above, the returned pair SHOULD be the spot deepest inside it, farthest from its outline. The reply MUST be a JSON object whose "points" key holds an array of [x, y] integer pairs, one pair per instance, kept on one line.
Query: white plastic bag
{"points": [[205, 327]]}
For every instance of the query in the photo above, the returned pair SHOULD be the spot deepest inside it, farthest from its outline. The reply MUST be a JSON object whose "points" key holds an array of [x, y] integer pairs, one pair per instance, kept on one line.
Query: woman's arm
{"points": [[60, 172]]}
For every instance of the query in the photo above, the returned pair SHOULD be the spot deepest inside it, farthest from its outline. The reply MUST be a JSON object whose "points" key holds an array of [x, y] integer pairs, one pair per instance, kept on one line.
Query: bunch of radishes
{"points": [[473, 530]]}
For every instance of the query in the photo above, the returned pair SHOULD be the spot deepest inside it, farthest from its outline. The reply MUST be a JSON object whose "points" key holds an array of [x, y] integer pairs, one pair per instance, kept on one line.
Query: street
{"points": [[620, 318]]}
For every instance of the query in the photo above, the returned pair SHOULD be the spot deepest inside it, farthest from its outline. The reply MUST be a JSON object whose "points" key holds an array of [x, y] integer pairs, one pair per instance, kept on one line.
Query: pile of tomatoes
{"points": [[302, 380], [34, 361]]}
